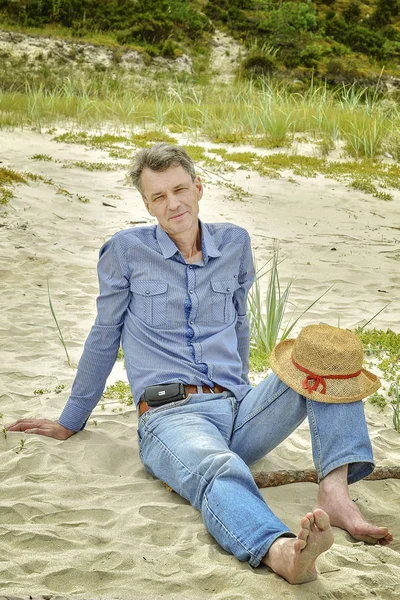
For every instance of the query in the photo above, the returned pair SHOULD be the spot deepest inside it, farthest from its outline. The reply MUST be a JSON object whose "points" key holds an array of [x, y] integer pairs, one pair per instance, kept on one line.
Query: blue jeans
{"points": [[202, 446]]}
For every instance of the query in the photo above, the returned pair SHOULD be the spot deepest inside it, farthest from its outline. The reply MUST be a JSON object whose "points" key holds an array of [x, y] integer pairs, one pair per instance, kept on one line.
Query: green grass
{"points": [[395, 402], [21, 447], [120, 391], [93, 166], [385, 345], [60, 334], [8, 177], [265, 115], [42, 157], [266, 315], [366, 174]]}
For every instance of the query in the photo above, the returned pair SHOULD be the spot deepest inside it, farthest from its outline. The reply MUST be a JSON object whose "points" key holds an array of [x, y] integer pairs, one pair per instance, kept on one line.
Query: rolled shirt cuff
{"points": [[73, 416]]}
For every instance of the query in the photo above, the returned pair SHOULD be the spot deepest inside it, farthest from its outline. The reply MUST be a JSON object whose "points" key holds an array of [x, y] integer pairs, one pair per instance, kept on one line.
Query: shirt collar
{"points": [[169, 248], [207, 243]]}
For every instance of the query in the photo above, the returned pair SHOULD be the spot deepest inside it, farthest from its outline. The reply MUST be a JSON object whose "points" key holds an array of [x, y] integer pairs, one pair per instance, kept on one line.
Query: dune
{"points": [[82, 518]]}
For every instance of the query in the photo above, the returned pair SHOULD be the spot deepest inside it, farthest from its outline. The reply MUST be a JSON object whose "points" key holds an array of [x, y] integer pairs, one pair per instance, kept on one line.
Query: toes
{"points": [[303, 533], [305, 527], [299, 545], [384, 542], [310, 517], [321, 519]]}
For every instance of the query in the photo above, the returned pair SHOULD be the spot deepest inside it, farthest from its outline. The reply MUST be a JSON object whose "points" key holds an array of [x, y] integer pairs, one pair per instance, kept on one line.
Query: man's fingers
{"points": [[41, 427], [19, 426], [23, 424]]}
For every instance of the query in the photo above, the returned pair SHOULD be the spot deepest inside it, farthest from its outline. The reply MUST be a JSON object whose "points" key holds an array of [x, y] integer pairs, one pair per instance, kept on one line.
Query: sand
{"points": [[82, 518]]}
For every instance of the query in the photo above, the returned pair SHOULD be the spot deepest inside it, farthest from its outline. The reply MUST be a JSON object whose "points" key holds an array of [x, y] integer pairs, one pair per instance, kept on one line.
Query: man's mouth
{"points": [[177, 216]]}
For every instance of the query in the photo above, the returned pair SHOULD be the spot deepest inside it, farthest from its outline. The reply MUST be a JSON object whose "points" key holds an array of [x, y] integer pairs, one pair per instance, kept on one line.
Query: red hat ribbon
{"points": [[319, 379]]}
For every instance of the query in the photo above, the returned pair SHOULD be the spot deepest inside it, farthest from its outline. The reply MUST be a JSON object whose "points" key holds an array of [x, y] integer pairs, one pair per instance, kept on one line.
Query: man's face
{"points": [[173, 198]]}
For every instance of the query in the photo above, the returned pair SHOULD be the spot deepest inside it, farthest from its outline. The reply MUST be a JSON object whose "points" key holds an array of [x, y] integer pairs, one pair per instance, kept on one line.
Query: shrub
{"points": [[352, 12], [148, 20], [384, 11], [311, 55], [290, 17], [259, 61], [341, 70]]}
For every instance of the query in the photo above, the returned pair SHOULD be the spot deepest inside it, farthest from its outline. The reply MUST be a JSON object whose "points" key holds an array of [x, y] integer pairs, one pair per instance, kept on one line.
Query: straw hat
{"points": [[324, 363]]}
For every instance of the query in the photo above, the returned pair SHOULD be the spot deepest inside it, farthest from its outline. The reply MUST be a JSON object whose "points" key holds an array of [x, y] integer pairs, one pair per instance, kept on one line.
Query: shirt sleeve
{"points": [[246, 280], [102, 344]]}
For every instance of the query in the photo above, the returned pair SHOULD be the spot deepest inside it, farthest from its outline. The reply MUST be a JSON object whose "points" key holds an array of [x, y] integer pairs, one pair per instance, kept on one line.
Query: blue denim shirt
{"points": [[177, 322]]}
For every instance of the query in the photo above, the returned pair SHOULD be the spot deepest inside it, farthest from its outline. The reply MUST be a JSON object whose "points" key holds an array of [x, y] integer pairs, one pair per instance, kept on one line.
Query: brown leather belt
{"points": [[189, 389]]}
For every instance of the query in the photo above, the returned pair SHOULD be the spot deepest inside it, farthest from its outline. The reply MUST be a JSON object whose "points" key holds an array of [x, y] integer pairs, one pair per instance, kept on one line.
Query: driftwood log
{"points": [[264, 479]]}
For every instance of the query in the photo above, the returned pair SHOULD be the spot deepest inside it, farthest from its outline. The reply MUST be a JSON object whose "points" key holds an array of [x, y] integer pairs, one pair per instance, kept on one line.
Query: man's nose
{"points": [[173, 201]]}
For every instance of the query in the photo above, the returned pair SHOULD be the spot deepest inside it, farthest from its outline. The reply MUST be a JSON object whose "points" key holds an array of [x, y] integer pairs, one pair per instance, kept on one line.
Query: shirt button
{"points": [[190, 267], [191, 322], [190, 291], [228, 289], [147, 292]]}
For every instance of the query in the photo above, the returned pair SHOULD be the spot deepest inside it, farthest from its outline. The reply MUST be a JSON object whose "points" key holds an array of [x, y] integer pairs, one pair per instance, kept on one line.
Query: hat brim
{"points": [[362, 386]]}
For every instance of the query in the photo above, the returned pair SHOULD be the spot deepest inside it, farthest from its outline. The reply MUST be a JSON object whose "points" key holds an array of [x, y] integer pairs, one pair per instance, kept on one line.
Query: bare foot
{"points": [[344, 513], [334, 499], [294, 558]]}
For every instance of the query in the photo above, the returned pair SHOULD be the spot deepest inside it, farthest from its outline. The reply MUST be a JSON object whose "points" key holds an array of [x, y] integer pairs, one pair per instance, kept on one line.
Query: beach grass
{"points": [[385, 346], [8, 177], [395, 402], [60, 334], [266, 315], [118, 113], [373, 177], [268, 114]]}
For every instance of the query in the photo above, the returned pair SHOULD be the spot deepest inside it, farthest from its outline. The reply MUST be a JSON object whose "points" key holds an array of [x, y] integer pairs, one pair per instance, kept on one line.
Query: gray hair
{"points": [[159, 157]]}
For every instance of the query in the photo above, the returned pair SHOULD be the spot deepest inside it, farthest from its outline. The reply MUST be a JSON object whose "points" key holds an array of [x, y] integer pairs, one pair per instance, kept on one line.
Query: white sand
{"points": [[82, 517]]}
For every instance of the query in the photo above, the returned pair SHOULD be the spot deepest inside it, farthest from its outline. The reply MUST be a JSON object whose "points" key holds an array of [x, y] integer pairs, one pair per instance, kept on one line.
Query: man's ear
{"points": [[199, 186]]}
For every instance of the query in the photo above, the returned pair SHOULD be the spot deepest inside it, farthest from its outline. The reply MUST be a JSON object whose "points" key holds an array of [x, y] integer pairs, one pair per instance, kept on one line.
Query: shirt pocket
{"points": [[223, 310], [149, 301]]}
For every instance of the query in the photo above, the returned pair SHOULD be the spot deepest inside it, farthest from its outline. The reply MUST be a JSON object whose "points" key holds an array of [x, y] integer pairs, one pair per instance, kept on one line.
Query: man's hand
{"points": [[41, 427]]}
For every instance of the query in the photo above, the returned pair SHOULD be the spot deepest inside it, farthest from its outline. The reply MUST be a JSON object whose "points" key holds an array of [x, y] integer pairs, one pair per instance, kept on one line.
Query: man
{"points": [[175, 294]]}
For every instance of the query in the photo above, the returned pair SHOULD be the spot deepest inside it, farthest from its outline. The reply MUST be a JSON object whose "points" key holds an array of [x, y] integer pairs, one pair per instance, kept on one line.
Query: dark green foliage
{"points": [[364, 40], [341, 70], [258, 61], [384, 11], [352, 13], [310, 56], [361, 35], [304, 33], [289, 18], [143, 22], [298, 29]]}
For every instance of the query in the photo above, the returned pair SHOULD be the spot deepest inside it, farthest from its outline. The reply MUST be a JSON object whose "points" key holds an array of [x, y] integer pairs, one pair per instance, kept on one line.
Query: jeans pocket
{"points": [[144, 420], [149, 301]]}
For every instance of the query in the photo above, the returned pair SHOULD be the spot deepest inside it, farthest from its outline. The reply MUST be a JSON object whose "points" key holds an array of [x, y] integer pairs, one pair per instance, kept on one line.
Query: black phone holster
{"points": [[157, 395]]}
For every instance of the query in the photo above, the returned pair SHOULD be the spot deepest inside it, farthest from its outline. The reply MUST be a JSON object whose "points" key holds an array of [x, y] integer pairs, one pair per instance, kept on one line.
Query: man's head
{"points": [[166, 178], [159, 157]]}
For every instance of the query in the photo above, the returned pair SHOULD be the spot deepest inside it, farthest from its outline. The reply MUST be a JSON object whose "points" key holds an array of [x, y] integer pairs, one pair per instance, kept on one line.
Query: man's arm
{"points": [[100, 351], [246, 280]]}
